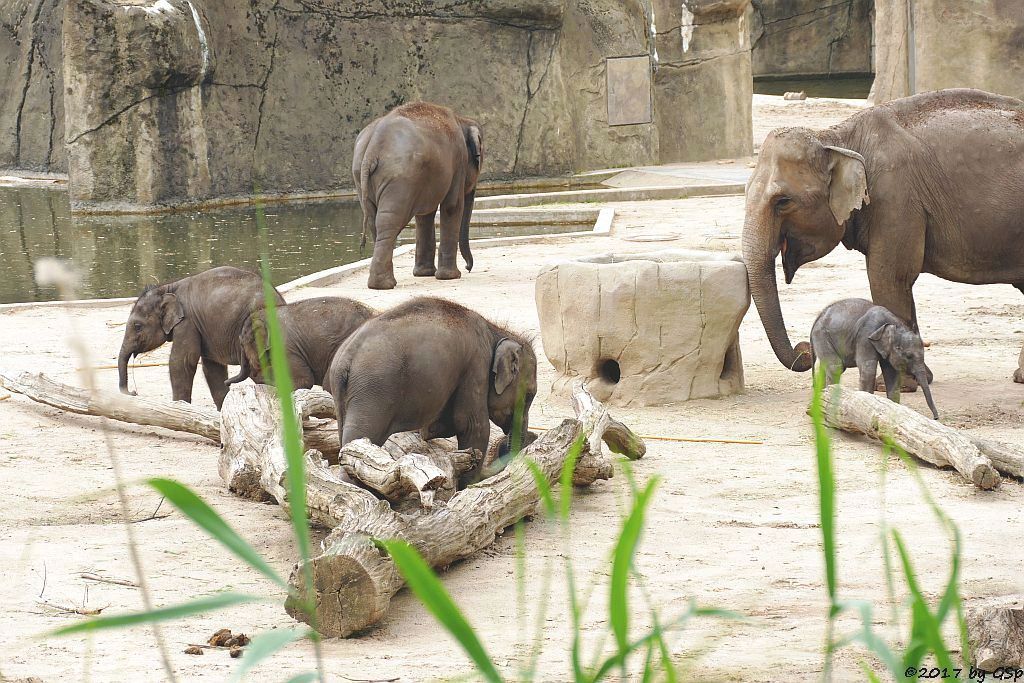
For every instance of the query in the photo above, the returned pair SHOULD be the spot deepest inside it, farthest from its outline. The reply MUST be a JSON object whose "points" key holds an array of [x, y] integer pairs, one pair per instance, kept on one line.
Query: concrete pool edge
{"points": [[602, 227]]}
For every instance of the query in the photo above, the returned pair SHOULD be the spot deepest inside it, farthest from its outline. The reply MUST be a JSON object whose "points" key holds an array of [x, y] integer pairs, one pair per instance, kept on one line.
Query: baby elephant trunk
{"points": [[122, 370], [922, 379]]}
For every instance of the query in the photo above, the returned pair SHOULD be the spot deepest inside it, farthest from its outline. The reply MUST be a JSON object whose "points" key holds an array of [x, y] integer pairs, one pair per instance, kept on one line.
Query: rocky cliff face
{"points": [[32, 106], [191, 100], [811, 37]]}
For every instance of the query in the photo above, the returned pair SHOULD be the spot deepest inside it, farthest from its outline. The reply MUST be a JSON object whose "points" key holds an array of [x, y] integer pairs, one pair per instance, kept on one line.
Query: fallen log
{"points": [[1006, 458], [995, 631], [927, 439], [176, 415]]}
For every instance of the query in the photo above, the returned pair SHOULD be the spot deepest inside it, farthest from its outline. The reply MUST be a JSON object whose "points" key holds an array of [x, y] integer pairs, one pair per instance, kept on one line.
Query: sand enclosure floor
{"points": [[731, 526]]}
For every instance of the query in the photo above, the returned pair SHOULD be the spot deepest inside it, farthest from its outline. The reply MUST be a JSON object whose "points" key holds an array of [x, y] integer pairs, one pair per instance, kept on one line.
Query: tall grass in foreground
{"points": [[206, 518], [925, 637]]}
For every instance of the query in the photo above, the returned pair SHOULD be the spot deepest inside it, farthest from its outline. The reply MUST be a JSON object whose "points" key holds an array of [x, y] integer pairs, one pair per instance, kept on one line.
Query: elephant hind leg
{"points": [[425, 246], [382, 270], [215, 374], [365, 422], [451, 226]]}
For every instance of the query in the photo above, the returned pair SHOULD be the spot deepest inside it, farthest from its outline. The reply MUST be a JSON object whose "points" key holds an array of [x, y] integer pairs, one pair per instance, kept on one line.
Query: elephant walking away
{"points": [[434, 366], [932, 183], [416, 159], [313, 330], [202, 316]]}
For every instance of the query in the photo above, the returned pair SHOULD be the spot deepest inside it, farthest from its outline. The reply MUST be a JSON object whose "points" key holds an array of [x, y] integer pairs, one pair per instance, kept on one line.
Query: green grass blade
{"points": [[622, 561], [266, 644], [295, 477], [543, 488], [188, 609], [197, 510], [925, 626], [826, 485], [431, 592], [565, 478]]}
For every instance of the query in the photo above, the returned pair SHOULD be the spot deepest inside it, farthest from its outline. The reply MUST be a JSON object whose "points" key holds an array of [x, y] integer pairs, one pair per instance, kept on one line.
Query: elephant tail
{"points": [[467, 213], [369, 207]]}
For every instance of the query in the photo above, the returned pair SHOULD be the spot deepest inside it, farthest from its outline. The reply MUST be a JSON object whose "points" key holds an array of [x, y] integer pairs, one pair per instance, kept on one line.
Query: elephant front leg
{"points": [[184, 361], [891, 377], [868, 367], [425, 246], [216, 374], [451, 223]]}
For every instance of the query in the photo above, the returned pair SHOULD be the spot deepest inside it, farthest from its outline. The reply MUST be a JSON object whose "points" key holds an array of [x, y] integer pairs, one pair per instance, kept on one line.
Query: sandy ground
{"points": [[731, 526]]}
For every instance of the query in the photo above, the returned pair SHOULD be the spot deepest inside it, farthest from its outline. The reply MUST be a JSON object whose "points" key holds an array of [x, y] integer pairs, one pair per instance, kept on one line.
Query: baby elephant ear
{"points": [[848, 185], [171, 312], [505, 367]]}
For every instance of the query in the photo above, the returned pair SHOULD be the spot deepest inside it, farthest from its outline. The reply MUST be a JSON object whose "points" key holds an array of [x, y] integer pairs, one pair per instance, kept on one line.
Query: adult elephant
{"points": [[932, 183], [202, 316], [415, 159]]}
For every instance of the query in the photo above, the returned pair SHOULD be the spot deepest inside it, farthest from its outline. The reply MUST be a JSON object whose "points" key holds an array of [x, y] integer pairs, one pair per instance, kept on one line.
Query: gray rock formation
{"points": [[645, 329], [811, 37], [955, 45], [32, 102], [218, 99]]}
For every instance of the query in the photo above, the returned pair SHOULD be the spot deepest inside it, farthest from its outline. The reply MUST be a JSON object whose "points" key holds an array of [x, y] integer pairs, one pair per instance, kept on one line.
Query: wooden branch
{"points": [[593, 464], [252, 461], [927, 439], [176, 415], [354, 581], [1006, 458], [995, 631], [393, 478]]}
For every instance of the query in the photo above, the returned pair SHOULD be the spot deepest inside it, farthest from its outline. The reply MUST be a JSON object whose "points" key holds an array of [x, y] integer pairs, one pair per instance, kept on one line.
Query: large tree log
{"points": [[995, 631], [1007, 459], [354, 581], [176, 415], [929, 440]]}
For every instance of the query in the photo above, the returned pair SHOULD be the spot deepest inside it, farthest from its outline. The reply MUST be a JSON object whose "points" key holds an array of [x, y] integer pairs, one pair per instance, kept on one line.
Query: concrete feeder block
{"points": [[645, 329]]}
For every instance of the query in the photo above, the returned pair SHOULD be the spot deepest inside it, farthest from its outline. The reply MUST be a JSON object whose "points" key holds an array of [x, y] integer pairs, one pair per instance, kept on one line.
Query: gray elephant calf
{"points": [[201, 316], [313, 330], [432, 365], [857, 333]]}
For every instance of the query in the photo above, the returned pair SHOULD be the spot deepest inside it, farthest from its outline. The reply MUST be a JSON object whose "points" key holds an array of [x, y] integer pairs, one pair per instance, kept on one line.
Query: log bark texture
{"points": [[176, 415], [995, 631], [927, 439], [1007, 459]]}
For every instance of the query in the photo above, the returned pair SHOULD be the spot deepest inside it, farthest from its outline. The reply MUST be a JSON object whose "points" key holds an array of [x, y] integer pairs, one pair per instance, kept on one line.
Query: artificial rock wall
{"points": [[180, 101], [812, 37], [31, 85], [975, 44]]}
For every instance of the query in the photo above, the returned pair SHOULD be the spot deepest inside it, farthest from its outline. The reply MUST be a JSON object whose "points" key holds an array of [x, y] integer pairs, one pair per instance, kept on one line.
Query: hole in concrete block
{"points": [[608, 370], [732, 362]]}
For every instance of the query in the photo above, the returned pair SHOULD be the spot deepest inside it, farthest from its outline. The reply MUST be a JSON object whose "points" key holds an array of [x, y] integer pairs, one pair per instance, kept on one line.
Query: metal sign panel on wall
{"points": [[629, 90]]}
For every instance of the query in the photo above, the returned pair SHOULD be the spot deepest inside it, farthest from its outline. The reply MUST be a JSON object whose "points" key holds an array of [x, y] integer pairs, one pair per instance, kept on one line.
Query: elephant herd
{"points": [[428, 364], [932, 183]]}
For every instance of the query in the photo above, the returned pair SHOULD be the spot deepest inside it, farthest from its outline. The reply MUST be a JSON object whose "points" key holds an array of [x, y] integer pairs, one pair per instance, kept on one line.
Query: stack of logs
{"points": [[405, 489]]}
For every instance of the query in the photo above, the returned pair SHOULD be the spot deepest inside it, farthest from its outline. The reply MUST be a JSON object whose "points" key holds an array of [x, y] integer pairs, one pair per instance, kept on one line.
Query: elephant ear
{"points": [[505, 367], [848, 185], [171, 312], [882, 339], [474, 144]]}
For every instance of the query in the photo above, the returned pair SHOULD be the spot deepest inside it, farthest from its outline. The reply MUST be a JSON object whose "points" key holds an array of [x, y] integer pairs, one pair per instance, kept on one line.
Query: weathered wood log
{"points": [[1006, 458], [995, 631], [252, 460], [927, 439], [176, 415], [354, 581], [593, 464], [393, 478]]}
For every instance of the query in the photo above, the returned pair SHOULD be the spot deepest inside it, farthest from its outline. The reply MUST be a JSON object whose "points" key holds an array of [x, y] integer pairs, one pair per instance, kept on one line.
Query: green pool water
{"points": [[117, 255], [843, 87]]}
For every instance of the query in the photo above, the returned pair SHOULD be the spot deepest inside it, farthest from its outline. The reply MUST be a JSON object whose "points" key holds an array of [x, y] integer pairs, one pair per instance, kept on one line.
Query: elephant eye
{"points": [[138, 327], [782, 201]]}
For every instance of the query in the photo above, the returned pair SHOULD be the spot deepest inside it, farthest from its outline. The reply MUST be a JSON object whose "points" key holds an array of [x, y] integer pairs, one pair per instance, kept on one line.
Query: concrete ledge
{"points": [[609, 195], [76, 303]]}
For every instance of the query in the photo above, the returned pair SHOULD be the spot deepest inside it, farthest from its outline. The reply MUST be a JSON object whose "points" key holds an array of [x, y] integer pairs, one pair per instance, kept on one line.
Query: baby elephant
{"points": [[432, 365], [313, 330], [201, 316], [857, 333]]}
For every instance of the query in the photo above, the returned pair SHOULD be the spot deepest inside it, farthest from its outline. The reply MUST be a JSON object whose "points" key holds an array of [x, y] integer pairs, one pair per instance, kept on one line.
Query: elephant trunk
{"points": [[759, 257], [922, 379], [467, 213], [243, 372], [122, 369]]}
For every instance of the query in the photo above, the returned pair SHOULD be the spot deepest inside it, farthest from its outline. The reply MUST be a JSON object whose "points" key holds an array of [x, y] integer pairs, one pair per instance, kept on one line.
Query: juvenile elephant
{"points": [[857, 333], [432, 365], [313, 330], [416, 158], [932, 183], [202, 316]]}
